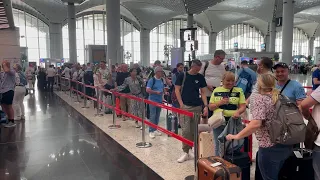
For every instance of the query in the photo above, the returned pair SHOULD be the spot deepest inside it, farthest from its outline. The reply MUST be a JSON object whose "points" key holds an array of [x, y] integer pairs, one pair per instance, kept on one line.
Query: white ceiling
{"points": [[214, 15]]}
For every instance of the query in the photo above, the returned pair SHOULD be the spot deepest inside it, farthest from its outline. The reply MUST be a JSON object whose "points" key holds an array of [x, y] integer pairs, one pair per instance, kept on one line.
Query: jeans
{"points": [[316, 162], [50, 83], [154, 116], [272, 159], [18, 107], [216, 133]]}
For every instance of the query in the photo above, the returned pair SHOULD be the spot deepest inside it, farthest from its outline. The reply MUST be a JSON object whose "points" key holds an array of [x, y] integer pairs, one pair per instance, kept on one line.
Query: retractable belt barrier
{"points": [[99, 100]]}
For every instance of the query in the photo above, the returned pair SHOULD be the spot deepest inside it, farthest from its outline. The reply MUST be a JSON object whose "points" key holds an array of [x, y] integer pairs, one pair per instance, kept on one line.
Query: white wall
{"points": [[10, 45]]}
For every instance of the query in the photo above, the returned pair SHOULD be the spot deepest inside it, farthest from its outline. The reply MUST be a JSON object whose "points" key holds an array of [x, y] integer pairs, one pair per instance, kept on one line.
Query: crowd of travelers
{"points": [[206, 88]]}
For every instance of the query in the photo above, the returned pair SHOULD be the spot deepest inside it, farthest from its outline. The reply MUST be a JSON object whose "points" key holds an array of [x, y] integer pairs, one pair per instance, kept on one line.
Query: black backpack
{"points": [[88, 78]]}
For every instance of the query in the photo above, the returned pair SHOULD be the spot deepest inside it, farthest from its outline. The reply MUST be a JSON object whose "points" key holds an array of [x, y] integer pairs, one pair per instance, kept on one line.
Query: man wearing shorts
{"points": [[7, 86]]}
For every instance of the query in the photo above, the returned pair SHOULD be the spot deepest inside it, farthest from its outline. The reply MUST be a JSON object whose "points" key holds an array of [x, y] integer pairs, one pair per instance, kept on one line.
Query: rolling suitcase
{"points": [[216, 168], [108, 100], [298, 167], [206, 145], [243, 161], [172, 123]]}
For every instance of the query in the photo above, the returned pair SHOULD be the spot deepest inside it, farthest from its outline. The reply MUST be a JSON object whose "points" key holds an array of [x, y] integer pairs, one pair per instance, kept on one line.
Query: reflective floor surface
{"points": [[57, 143]]}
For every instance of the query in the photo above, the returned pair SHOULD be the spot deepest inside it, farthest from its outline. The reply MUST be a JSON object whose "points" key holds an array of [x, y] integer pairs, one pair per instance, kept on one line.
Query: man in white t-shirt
{"points": [[103, 73], [50, 74], [314, 101], [213, 72]]}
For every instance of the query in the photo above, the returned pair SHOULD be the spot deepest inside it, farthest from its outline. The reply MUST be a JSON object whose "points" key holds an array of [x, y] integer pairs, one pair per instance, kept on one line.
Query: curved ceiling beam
{"points": [[137, 26]]}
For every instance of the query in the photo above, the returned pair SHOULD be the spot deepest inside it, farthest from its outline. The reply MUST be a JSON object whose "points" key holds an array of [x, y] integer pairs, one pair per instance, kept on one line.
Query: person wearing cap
{"points": [[316, 78], [155, 88], [290, 88]]}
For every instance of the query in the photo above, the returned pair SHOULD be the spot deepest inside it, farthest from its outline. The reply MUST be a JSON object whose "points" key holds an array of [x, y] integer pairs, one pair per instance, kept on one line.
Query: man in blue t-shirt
{"points": [[293, 90], [253, 75], [316, 78], [155, 88]]}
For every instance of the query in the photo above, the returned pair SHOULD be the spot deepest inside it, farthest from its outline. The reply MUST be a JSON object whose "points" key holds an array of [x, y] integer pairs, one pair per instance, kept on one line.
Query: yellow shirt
{"points": [[235, 99]]}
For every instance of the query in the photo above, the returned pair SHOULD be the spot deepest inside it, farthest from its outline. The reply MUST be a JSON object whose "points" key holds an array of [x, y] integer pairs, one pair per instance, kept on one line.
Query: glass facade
{"points": [[244, 35], [34, 34], [300, 42], [168, 35], [92, 30]]}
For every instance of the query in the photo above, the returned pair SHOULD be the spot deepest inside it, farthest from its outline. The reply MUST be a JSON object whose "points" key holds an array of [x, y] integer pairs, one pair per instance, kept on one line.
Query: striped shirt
{"points": [[7, 81]]}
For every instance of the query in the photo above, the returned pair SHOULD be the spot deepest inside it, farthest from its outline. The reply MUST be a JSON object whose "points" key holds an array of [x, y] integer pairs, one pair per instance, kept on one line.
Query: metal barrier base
{"points": [[192, 177], [143, 145], [114, 126]]}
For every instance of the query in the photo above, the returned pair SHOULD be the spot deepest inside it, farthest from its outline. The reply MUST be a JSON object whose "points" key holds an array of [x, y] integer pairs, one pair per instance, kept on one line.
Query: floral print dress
{"points": [[264, 110], [135, 86]]}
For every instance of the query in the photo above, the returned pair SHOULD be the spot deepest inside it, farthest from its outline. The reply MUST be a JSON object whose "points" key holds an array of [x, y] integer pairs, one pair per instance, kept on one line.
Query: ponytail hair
{"points": [[275, 95]]}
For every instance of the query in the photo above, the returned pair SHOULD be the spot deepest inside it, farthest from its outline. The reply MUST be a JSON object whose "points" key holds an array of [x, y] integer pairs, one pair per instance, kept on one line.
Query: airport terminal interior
{"points": [[66, 66]]}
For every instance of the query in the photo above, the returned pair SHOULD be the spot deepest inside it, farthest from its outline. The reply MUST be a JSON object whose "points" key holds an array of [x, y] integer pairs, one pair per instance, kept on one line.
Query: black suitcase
{"points": [[243, 161], [172, 123], [298, 168]]}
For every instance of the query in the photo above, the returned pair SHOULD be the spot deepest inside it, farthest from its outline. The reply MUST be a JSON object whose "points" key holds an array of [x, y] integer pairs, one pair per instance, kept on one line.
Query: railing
{"points": [[78, 89]]}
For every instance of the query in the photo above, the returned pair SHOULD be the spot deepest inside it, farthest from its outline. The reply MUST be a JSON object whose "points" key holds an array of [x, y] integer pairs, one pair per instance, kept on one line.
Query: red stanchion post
{"points": [[114, 125], [143, 143]]}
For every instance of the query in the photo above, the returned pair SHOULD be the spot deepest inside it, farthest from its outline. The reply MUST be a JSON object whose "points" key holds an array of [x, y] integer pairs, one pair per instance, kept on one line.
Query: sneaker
{"points": [[151, 135], [157, 133], [137, 125], [183, 158], [191, 154], [9, 125]]}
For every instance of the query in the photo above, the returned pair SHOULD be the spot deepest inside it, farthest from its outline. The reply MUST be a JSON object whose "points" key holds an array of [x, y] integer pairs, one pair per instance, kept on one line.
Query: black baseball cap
{"points": [[283, 65]]}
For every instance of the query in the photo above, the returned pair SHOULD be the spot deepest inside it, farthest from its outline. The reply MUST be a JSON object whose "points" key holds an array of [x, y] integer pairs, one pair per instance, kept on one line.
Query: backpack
{"points": [[173, 95], [23, 79], [288, 127], [245, 82], [205, 68], [88, 78]]}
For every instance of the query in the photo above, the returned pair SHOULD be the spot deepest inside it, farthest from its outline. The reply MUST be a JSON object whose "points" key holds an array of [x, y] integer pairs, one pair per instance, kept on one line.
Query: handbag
{"points": [[312, 134], [218, 119]]}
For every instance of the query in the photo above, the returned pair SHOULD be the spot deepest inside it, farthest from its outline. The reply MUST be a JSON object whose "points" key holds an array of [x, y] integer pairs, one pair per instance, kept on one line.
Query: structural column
{"points": [[273, 34], [72, 33], [212, 42], [114, 50], [311, 46], [287, 31], [190, 21], [145, 47], [56, 46], [267, 42]]}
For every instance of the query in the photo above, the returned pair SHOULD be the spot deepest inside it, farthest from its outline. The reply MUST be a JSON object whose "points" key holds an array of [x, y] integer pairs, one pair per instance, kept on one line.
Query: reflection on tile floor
{"points": [[55, 143], [161, 157]]}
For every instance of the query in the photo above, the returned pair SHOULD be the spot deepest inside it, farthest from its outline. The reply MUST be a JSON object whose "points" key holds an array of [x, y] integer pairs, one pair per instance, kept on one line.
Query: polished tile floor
{"points": [[57, 143], [60, 141]]}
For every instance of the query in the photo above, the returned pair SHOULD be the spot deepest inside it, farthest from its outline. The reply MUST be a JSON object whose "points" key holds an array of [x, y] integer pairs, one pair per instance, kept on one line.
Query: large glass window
{"points": [[300, 43], [91, 30], [34, 34], [246, 36], [167, 35]]}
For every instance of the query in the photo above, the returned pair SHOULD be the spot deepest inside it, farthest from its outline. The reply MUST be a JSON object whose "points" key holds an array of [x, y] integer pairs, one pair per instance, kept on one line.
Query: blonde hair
{"points": [[267, 83], [228, 76]]}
